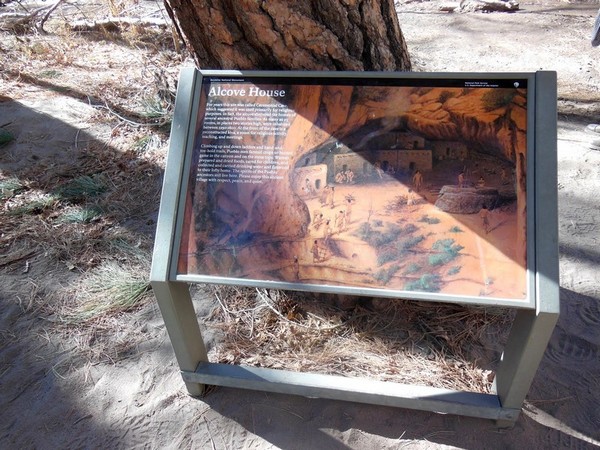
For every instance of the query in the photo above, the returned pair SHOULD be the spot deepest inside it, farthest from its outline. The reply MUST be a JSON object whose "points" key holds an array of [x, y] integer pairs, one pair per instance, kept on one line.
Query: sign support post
{"points": [[173, 297], [531, 329]]}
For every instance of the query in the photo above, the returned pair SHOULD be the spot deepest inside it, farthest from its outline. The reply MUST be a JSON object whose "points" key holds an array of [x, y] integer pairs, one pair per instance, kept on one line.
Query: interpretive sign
{"points": [[436, 187], [398, 187]]}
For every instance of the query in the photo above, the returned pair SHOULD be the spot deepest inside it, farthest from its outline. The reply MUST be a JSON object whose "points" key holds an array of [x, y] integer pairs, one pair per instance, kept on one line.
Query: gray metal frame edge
{"points": [[174, 298], [531, 330]]}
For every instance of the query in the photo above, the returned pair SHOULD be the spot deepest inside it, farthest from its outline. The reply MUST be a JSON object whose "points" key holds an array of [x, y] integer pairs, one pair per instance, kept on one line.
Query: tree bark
{"points": [[356, 35], [280, 34]]}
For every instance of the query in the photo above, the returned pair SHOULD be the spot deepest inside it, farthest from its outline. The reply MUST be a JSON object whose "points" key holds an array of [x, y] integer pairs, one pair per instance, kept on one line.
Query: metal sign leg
{"points": [[180, 319], [524, 350]]}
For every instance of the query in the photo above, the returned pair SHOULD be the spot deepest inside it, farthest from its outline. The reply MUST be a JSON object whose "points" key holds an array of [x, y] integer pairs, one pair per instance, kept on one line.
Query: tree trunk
{"points": [[280, 34], [353, 35]]}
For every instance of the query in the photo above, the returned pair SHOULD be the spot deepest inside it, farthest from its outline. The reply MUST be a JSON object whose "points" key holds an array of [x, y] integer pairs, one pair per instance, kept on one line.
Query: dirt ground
{"points": [[93, 106]]}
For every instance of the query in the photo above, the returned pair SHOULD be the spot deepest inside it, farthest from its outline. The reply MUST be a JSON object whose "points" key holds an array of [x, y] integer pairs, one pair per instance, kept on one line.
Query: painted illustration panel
{"points": [[400, 185]]}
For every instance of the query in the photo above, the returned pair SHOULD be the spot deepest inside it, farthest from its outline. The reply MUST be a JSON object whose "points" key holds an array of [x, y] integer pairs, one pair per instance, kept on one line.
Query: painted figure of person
{"points": [[485, 220], [339, 221], [324, 195], [318, 221], [417, 180], [331, 198], [308, 188], [327, 232], [481, 182], [316, 251], [410, 198], [379, 170], [461, 180], [349, 176], [348, 211], [296, 268]]}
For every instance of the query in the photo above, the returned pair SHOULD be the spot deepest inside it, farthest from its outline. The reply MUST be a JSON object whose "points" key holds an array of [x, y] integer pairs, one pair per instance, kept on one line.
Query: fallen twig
{"points": [[40, 26], [113, 23], [21, 22], [160, 123]]}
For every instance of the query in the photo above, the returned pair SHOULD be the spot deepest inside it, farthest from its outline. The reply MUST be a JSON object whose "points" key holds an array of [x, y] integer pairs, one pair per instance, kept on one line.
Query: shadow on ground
{"points": [[40, 382], [44, 249]]}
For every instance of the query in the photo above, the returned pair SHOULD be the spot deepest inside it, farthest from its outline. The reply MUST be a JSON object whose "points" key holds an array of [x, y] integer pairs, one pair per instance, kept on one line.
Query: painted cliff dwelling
{"points": [[401, 188]]}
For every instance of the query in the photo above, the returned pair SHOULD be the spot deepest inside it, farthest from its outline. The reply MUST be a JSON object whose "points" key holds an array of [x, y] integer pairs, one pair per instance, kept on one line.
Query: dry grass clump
{"points": [[109, 289], [406, 342], [102, 313]]}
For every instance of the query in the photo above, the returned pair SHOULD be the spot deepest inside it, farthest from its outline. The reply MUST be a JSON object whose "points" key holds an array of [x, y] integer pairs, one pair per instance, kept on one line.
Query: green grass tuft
{"points": [[5, 137], [82, 188], [108, 290], [81, 214], [147, 143], [10, 187], [33, 207]]}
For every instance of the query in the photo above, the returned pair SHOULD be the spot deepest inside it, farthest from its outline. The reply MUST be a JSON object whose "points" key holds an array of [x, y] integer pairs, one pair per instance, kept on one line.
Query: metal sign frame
{"points": [[530, 332]]}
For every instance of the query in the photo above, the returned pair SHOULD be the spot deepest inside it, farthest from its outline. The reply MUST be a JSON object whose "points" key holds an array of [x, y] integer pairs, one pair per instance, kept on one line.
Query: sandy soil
{"points": [[138, 400]]}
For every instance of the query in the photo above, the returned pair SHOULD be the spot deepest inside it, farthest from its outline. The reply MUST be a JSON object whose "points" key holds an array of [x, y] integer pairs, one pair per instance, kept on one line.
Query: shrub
{"points": [[445, 95], [385, 275], [439, 259], [408, 243], [363, 231], [396, 204], [447, 246], [454, 270], [398, 250], [410, 228], [447, 251], [378, 238], [429, 220], [387, 255], [427, 283], [497, 98], [412, 268]]}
